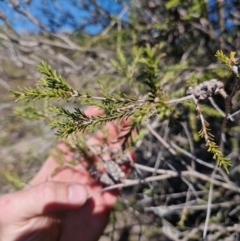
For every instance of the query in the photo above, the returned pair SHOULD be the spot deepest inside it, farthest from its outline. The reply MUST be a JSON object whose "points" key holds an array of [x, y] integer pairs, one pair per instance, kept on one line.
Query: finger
{"points": [[93, 111], [42, 199], [51, 164], [111, 130], [45, 171]]}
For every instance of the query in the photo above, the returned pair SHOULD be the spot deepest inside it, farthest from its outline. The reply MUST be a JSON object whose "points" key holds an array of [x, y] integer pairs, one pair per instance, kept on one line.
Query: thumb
{"points": [[42, 199]]}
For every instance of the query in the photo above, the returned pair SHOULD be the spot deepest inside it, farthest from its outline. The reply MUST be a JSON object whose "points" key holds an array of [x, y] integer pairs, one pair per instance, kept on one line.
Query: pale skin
{"points": [[58, 208]]}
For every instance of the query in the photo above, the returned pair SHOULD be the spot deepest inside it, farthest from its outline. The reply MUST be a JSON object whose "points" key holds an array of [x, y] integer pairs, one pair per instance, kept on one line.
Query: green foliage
{"points": [[210, 143], [228, 61], [30, 112], [51, 79], [214, 148], [139, 67], [68, 122], [218, 155], [172, 3], [51, 86], [116, 106]]}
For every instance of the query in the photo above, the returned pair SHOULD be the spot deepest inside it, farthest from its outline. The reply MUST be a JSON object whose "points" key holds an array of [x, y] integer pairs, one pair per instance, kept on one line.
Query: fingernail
{"points": [[77, 194]]}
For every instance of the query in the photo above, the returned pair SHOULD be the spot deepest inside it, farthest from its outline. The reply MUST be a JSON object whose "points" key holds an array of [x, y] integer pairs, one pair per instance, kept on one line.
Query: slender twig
{"points": [[210, 195], [190, 141], [175, 101], [191, 207], [235, 113], [163, 142], [228, 101], [218, 109], [204, 128], [160, 153], [121, 14], [190, 186], [149, 199], [167, 175], [183, 151], [212, 227]]}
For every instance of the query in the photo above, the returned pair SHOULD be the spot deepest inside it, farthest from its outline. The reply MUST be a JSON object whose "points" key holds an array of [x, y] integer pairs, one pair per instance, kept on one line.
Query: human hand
{"points": [[59, 209]]}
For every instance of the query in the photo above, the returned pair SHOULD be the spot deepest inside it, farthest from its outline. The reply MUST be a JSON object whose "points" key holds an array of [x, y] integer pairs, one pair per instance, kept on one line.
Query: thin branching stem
{"points": [[210, 196], [228, 102]]}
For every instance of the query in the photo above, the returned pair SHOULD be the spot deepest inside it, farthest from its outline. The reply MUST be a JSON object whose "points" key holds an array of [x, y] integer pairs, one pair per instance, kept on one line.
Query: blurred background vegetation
{"points": [[98, 41]]}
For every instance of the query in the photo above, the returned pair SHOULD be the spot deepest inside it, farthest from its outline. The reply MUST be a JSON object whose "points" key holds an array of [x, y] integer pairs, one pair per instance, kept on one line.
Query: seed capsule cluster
{"points": [[207, 89], [112, 173]]}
